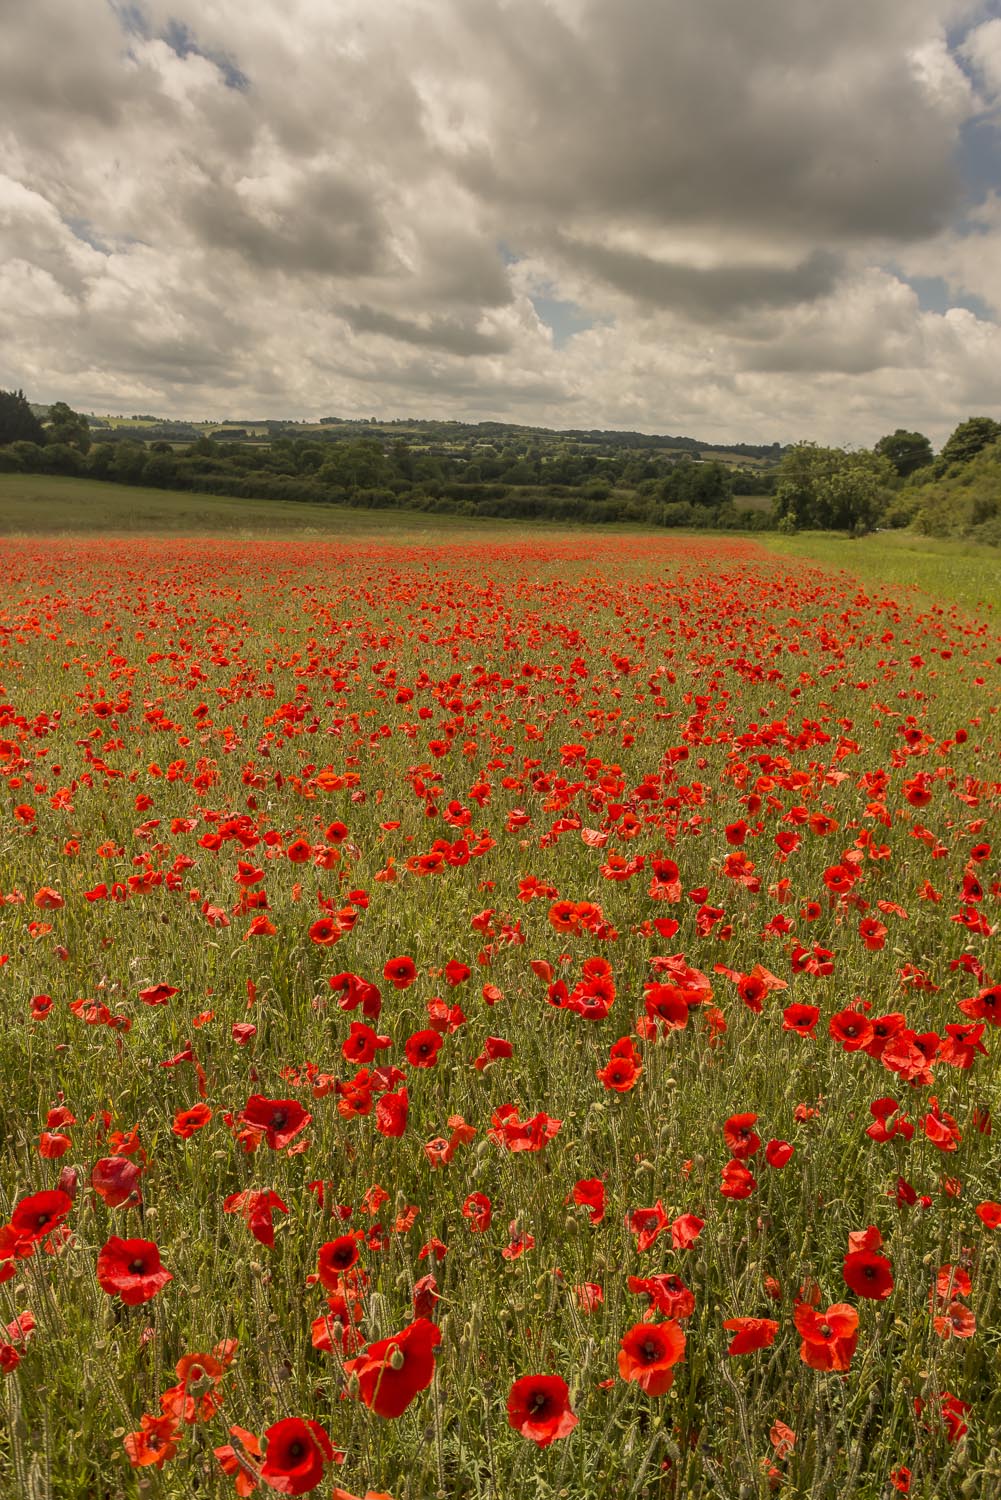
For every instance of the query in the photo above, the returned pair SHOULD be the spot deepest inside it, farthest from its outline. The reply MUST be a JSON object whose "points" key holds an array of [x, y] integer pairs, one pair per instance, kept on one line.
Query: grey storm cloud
{"points": [[217, 195], [438, 333], [710, 292], [326, 225]]}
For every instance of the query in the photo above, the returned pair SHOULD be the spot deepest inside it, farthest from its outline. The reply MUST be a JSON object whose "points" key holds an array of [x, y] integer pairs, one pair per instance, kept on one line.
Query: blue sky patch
{"points": [[934, 296]]}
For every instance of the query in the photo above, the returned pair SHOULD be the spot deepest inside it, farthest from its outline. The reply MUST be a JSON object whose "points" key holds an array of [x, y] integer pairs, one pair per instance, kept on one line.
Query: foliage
{"points": [[18, 422], [830, 488], [67, 427], [965, 501], [445, 467], [907, 451], [968, 439]]}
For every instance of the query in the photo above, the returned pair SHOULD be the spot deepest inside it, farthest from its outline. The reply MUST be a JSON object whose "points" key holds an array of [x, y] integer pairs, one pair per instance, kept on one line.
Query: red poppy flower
{"points": [[828, 1338], [325, 932], [740, 1139], [648, 1354], [873, 933], [478, 1209], [514, 1134], [666, 1004], [737, 1181], [589, 1193], [336, 1257], [155, 1442], [956, 1322], [538, 1406], [296, 1453], [494, 1048], [131, 1270], [619, 1074], [38, 1214], [278, 1120], [233, 1461], [685, 1231], [400, 972], [257, 1208], [422, 1049], [801, 1018], [750, 1334], [868, 1274], [362, 1043], [157, 994], [188, 1121], [391, 1113], [989, 1213], [852, 1028], [116, 1180], [646, 1224], [666, 1293], [985, 1006], [392, 1371]]}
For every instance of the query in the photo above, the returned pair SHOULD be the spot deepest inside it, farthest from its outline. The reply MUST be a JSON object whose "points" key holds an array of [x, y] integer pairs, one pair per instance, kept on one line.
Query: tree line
{"points": [[492, 469]]}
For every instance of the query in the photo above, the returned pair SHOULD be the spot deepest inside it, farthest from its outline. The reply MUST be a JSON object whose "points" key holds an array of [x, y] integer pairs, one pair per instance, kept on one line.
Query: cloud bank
{"points": [[298, 207]]}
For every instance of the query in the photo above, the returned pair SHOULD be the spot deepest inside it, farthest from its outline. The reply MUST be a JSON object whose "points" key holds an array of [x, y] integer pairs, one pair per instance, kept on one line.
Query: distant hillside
{"points": [[149, 428]]}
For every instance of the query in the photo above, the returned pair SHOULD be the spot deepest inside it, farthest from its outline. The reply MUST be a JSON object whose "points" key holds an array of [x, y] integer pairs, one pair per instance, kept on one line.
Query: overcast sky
{"points": [[752, 219]]}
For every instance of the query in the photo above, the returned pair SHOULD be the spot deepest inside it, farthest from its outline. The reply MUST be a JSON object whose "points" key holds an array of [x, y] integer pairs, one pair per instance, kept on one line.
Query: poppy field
{"points": [[508, 1018]]}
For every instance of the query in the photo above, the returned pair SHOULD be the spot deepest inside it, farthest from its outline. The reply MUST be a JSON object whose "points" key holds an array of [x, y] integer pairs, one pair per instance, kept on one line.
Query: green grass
{"points": [[968, 574], [753, 502], [44, 504]]}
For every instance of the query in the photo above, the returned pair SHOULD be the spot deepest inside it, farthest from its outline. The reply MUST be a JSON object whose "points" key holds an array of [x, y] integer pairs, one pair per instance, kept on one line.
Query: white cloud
{"points": [[289, 207]]}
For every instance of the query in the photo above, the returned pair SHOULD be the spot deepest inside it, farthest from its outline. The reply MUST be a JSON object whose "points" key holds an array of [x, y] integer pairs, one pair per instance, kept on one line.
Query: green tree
{"points": [[18, 423], [68, 427], [831, 489], [969, 439], [906, 451]]}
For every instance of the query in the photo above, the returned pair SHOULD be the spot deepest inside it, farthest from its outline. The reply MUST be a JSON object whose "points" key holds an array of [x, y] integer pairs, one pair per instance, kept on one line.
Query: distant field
{"points": [[753, 502], [43, 504]]}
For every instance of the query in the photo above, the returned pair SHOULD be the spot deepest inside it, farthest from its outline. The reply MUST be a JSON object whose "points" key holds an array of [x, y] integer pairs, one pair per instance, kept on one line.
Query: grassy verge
{"points": [[963, 572]]}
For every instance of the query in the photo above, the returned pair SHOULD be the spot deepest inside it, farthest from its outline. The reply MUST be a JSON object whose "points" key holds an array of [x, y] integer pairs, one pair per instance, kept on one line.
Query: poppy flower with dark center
{"points": [[478, 1210], [39, 1213], [325, 931], [155, 1442], [667, 1294], [828, 1338], [648, 1353], [986, 1006], [335, 1257], [400, 972], [422, 1049], [296, 1453], [800, 1018], [620, 1074], [742, 1141], [131, 1270], [279, 1120], [868, 1274], [538, 1406], [852, 1029]]}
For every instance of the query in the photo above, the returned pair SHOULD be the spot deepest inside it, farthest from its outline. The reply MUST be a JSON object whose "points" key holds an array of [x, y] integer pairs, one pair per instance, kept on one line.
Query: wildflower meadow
{"points": [[507, 1018]]}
